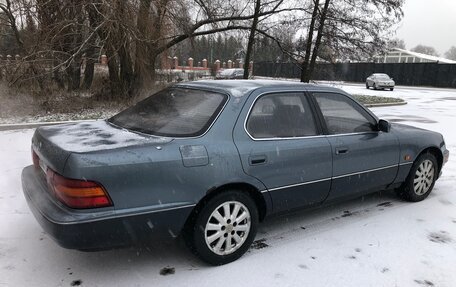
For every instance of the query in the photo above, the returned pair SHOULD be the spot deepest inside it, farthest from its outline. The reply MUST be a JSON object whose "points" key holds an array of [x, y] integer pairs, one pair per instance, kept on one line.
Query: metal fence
{"points": [[410, 74]]}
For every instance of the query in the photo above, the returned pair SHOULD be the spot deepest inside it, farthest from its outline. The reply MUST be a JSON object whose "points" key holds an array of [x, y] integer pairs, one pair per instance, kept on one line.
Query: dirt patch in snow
{"points": [[385, 204], [440, 237], [167, 271], [76, 282], [445, 201], [424, 282], [348, 213], [259, 244]]}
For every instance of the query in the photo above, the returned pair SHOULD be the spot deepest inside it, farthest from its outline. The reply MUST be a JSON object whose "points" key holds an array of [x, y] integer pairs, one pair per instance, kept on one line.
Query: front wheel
{"points": [[391, 89], [367, 86], [421, 179], [224, 228]]}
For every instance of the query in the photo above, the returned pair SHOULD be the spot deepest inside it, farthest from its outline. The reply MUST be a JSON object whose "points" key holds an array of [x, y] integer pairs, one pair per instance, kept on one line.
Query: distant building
{"points": [[397, 55]]}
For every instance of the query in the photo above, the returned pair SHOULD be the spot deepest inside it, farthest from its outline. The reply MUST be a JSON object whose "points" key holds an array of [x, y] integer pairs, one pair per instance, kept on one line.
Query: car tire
{"points": [[421, 179], [391, 89], [212, 228], [367, 86], [375, 86]]}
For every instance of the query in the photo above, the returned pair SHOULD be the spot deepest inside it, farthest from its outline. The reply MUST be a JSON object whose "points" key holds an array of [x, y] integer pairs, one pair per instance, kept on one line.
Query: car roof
{"points": [[239, 88]]}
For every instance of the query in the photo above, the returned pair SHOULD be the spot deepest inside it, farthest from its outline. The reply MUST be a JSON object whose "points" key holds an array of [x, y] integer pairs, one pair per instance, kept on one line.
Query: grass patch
{"points": [[375, 100]]}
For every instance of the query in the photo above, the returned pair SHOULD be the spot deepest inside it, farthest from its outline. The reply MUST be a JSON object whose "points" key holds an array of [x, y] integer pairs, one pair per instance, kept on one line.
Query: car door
{"points": [[280, 143], [364, 158]]}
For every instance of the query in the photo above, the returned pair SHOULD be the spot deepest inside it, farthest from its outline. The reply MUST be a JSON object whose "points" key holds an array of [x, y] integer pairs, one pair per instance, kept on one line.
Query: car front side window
{"points": [[343, 115], [281, 115]]}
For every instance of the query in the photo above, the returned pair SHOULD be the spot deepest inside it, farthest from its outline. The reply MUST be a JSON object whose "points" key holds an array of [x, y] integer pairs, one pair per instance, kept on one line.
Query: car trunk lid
{"points": [[54, 144]]}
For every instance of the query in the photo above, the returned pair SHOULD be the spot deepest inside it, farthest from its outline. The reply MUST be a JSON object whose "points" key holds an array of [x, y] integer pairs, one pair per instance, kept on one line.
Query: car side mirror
{"points": [[384, 126]]}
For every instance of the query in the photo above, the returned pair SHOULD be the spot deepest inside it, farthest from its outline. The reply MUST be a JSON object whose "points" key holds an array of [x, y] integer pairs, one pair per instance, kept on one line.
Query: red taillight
{"points": [[77, 193], [36, 159]]}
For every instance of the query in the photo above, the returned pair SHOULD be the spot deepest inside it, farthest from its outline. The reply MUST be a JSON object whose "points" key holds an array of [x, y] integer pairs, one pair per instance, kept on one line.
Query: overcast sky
{"points": [[429, 22]]}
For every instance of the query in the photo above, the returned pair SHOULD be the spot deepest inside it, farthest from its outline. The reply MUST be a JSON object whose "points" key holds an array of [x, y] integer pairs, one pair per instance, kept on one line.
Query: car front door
{"points": [[364, 158], [280, 143]]}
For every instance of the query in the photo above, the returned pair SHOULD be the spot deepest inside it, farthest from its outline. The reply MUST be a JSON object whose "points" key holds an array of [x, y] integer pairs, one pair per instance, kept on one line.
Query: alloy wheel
{"points": [[227, 227], [424, 177]]}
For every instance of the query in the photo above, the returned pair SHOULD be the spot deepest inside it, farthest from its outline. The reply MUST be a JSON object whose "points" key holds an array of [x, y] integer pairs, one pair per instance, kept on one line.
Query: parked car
{"points": [[230, 74], [209, 160], [380, 81]]}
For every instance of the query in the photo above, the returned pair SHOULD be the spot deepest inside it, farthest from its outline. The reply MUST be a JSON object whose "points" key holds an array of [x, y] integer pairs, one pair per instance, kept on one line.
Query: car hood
{"points": [[93, 136], [410, 132], [406, 128]]}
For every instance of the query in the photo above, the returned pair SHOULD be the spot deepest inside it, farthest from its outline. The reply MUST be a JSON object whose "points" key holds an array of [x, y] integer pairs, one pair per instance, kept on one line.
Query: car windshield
{"points": [[173, 112], [383, 77]]}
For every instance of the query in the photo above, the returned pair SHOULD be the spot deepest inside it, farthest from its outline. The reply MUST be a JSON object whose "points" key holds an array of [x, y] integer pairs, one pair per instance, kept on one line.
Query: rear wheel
{"points": [[224, 228], [421, 179]]}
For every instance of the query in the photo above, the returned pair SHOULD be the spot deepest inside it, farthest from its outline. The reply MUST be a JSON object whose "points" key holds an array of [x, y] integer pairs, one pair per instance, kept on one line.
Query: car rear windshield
{"points": [[173, 112]]}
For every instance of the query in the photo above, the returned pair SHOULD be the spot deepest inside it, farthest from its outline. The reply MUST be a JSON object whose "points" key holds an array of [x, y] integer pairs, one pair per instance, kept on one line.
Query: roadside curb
{"points": [[19, 126], [384, 104]]}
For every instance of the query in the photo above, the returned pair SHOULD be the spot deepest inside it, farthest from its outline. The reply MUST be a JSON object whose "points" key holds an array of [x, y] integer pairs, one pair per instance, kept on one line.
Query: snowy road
{"points": [[372, 241]]}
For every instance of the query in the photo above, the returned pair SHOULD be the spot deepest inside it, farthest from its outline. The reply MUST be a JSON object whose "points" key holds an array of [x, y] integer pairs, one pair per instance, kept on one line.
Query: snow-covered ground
{"points": [[377, 240]]}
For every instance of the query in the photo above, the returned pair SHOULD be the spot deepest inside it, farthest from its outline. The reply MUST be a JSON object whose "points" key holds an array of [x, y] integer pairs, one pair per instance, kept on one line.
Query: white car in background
{"points": [[235, 73], [380, 81]]}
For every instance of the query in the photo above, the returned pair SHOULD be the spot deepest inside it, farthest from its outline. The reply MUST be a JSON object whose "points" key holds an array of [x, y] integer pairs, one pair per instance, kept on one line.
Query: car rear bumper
{"points": [[100, 228]]}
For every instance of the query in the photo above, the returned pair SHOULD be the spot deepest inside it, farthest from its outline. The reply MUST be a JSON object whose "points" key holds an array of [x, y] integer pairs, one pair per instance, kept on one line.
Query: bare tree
{"points": [[350, 29], [8, 11], [251, 38], [451, 53], [396, 43], [423, 49]]}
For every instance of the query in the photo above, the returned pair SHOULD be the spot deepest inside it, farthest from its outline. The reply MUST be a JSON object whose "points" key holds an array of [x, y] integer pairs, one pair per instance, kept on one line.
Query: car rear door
{"points": [[280, 143], [364, 159]]}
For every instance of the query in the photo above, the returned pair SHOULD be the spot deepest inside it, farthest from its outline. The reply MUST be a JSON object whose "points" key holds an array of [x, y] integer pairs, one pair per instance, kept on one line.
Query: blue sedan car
{"points": [[209, 160]]}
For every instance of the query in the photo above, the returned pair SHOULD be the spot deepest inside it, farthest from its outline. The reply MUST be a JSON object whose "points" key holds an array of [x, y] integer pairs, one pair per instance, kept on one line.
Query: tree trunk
{"points": [[318, 40], [74, 75], [113, 67], [88, 73], [126, 68], [142, 66], [251, 39], [305, 63]]}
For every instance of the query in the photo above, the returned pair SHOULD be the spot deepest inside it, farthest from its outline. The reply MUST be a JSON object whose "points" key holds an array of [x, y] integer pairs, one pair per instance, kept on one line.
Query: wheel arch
{"points": [[435, 152], [249, 189]]}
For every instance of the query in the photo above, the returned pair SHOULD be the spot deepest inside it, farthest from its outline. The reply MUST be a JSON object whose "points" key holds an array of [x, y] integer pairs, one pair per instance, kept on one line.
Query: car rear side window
{"points": [[173, 112], [281, 115], [343, 115]]}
